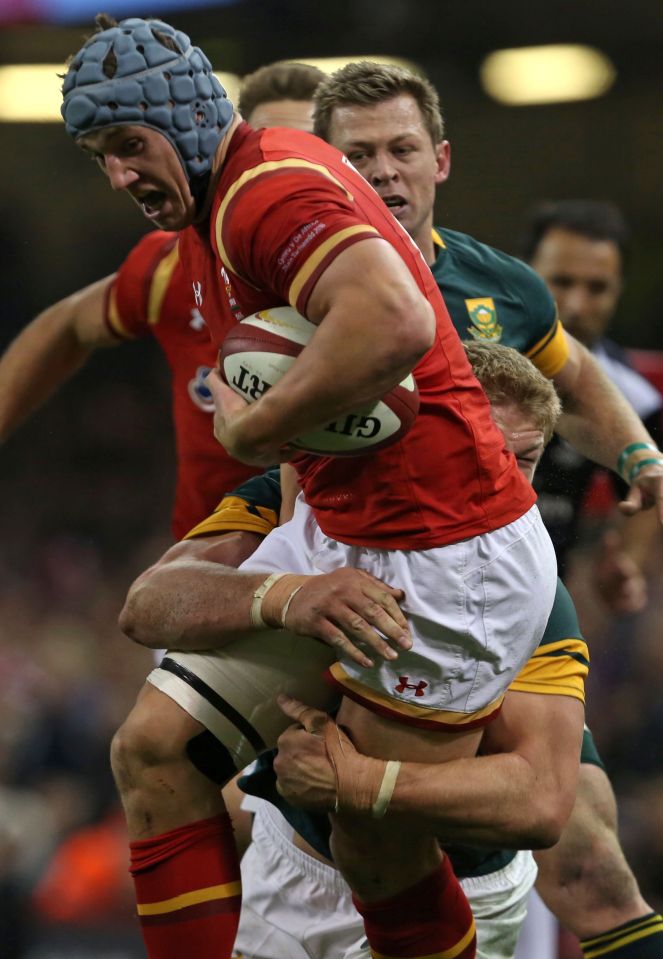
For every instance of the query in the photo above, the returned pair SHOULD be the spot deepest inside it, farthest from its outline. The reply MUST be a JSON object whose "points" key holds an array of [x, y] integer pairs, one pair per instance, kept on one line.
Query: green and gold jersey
{"points": [[493, 297], [253, 507]]}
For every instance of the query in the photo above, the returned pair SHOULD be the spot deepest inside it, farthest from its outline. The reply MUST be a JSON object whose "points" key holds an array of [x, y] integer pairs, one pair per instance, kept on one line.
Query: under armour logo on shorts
{"points": [[417, 687]]}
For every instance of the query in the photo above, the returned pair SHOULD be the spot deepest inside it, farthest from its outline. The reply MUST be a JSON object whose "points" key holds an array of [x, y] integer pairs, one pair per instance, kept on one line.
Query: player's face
{"points": [[295, 114], [584, 276], [390, 146], [145, 164], [521, 435]]}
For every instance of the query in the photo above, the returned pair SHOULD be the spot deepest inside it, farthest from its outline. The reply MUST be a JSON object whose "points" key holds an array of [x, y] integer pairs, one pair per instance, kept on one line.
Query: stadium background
{"points": [[86, 486]]}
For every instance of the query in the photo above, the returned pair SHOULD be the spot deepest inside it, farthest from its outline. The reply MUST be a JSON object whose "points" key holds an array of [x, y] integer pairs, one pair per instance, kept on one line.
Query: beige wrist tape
{"points": [[363, 784], [386, 790], [271, 600]]}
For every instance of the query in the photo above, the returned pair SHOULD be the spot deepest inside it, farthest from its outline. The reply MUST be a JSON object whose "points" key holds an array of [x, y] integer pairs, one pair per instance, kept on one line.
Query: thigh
{"points": [[476, 609], [232, 691]]}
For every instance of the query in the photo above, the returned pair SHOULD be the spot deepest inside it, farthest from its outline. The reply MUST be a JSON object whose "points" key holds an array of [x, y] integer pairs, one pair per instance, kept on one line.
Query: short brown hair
{"points": [[364, 83], [278, 81], [509, 377]]}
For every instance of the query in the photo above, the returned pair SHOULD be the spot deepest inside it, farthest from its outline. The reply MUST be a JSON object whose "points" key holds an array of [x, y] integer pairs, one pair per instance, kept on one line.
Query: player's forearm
{"points": [[49, 351], [598, 420], [43, 357], [482, 800], [189, 604], [341, 369], [371, 334]]}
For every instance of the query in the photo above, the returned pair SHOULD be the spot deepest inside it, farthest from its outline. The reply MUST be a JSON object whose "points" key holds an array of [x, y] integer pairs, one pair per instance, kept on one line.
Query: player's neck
{"points": [[424, 240], [217, 167]]}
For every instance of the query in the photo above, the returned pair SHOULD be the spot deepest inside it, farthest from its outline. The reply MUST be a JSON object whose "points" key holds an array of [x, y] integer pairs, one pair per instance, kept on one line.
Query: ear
{"points": [[443, 161]]}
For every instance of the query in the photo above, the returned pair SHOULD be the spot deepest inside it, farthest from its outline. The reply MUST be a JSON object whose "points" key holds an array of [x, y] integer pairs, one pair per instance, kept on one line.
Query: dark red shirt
{"points": [[151, 295], [286, 204]]}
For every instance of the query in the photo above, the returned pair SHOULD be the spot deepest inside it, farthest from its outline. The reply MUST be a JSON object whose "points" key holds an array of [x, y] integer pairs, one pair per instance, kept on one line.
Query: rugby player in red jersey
{"points": [[330, 211], [284, 218], [150, 296]]}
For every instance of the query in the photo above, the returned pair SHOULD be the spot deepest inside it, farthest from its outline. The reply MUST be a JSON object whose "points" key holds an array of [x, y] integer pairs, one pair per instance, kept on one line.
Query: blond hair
{"points": [[509, 377], [365, 83]]}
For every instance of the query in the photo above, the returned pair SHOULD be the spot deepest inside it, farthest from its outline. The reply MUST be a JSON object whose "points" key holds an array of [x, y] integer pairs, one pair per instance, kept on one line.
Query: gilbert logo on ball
{"points": [[262, 348]]}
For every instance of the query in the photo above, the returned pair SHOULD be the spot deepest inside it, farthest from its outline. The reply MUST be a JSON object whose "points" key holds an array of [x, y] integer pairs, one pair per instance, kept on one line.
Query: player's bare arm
{"points": [[192, 600], [534, 746], [49, 351], [600, 423], [370, 335]]}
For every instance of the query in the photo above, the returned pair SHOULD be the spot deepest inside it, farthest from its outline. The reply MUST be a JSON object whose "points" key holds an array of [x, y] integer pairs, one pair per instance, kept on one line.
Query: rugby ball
{"points": [[261, 348]]}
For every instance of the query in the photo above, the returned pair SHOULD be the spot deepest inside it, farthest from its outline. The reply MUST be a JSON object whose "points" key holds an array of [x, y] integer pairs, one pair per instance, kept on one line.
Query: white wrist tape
{"points": [[386, 790], [286, 607], [255, 612]]}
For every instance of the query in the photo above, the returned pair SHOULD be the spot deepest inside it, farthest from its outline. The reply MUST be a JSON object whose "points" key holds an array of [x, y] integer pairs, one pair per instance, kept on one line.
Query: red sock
{"points": [[432, 919], [188, 890]]}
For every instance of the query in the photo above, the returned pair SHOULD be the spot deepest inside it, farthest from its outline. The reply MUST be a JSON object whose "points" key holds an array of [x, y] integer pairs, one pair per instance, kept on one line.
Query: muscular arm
{"points": [[535, 752], [49, 351], [371, 334], [194, 598], [599, 422]]}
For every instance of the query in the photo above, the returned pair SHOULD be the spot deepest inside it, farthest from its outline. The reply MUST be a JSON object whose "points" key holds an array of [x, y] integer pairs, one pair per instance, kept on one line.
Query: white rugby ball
{"points": [[262, 347]]}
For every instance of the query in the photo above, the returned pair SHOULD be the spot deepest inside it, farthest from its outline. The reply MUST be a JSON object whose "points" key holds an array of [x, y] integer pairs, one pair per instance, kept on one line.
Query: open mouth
{"points": [[395, 203], [152, 202]]}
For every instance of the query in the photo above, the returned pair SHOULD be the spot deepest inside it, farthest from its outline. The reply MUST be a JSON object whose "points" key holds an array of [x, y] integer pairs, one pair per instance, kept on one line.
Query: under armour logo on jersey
{"points": [[199, 391], [417, 687], [198, 292]]}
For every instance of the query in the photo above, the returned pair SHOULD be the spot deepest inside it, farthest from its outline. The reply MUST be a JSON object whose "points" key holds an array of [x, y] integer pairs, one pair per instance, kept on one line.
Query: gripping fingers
{"points": [[344, 646], [313, 720], [384, 613]]}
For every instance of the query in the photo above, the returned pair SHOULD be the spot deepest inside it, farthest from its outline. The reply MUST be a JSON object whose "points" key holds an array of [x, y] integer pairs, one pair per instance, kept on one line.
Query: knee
{"points": [[142, 743]]}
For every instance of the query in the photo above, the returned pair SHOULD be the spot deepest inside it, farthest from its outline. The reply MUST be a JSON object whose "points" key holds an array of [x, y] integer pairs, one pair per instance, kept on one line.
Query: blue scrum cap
{"points": [[173, 92]]}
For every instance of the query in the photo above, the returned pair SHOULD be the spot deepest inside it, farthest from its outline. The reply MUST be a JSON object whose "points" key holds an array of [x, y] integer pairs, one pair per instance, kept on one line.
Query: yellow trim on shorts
{"points": [[410, 710], [267, 167], [445, 953], [551, 352], [232, 515], [555, 675], [316, 258], [224, 891], [160, 281]]}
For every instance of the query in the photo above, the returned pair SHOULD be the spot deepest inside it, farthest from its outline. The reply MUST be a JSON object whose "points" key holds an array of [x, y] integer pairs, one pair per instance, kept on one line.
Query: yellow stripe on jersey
{"points": [[224, 891], [290, 163], [234, 514], [437, 239], [556, 669], [610, 942], [113, 317], [316, 258], [551, 352], [160, 280], [444, 953], [441, 716]]}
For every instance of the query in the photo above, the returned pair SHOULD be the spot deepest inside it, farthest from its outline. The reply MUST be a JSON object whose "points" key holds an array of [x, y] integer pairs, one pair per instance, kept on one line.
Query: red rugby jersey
{"points": [[150, 295], [286, 204]]}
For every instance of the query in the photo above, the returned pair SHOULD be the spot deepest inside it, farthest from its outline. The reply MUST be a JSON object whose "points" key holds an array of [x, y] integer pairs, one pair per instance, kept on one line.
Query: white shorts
{"points": [[294, 907], [477, 610]]}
